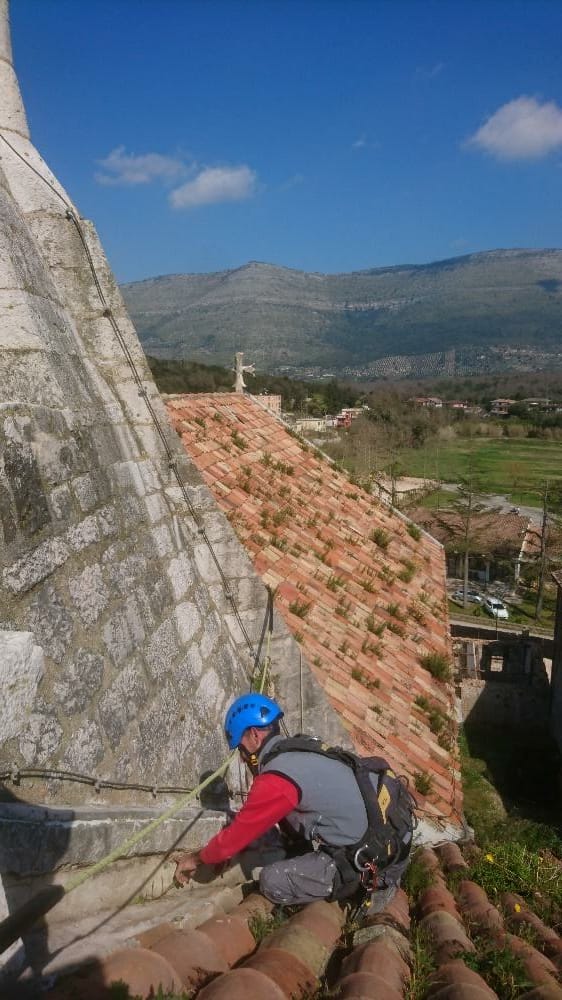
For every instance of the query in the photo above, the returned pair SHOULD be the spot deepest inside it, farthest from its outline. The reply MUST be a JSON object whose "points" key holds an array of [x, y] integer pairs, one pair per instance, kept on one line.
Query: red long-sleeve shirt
{"points": [[270, 799]]}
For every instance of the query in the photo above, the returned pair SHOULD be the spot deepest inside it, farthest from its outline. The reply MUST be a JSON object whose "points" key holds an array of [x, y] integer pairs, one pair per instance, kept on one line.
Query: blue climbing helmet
{"points": [[250, 709]]}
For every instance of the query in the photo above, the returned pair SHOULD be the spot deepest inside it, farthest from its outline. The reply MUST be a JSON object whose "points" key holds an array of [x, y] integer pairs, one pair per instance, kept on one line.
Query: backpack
{"points": [[389, 805]]}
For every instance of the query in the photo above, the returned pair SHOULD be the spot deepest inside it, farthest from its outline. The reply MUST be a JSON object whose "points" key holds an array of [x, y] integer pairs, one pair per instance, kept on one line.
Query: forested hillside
{"points": [[494, 311]]}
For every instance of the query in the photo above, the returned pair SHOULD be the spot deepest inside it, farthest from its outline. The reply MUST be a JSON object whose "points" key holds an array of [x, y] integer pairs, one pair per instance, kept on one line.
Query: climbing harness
{"points": [[390, 808]]}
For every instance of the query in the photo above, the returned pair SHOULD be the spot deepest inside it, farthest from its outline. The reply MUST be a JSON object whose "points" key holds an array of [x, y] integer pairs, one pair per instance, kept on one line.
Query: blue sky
{"points": [[322, 135]]}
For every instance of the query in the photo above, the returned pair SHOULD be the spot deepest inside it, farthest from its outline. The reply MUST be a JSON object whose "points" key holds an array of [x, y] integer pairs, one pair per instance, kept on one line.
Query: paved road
{"points": [[505, 505]]}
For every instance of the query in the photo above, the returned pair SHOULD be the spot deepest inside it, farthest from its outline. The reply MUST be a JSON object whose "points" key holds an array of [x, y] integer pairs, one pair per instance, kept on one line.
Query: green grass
{"points": [[509, 466], [520, 853]]}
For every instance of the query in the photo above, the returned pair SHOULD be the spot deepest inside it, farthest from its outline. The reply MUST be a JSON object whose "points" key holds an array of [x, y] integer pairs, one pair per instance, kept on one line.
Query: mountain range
{"points": [[494, 311]]}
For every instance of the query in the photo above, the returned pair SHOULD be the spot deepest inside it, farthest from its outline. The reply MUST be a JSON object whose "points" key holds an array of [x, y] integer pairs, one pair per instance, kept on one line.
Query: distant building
{"points": [[430, 402], [501, 543], [270, 402], [500, 407], [307, 425]]}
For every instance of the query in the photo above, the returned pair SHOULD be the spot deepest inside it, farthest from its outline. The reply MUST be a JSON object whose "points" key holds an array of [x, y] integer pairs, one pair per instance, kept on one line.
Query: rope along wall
{"points": [[171, 458]]}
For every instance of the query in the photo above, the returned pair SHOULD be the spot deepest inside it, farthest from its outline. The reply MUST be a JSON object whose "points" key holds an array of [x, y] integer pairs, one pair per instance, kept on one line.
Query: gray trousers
{"points": [[311, 876]]}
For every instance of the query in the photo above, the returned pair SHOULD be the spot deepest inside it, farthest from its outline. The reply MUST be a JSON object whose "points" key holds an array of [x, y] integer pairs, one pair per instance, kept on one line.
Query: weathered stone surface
{"points": [[85, 492], [30, 501], [85, 748], [21, 669], [81, 677], [188, 620], [188, 671], [117, 638], [123, 702], [50, 621], [85, 533], [34, 567], [89, 593], [40, 739], [162, 649], [60, 500]]}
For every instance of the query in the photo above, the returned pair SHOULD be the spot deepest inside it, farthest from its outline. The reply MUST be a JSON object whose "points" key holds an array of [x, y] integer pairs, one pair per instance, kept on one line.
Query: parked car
{"points": [[495, 607], [472, 596]]}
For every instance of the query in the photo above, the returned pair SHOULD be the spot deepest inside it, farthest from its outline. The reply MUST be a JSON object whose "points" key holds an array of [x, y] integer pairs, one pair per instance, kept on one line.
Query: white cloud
{"points": [[215, 184], [430, 72], [121, 167], [360, 142], [522, 129]]}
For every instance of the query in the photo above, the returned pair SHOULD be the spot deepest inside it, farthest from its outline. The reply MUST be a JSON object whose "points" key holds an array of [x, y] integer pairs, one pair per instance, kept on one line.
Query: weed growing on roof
{"points": [[266, 459], [244, 484], [278, 543], [371, 647], [387, 575], [503, 971], [417, 613], [261, 925], [417, 879], [359, 676], [437, 718], [408, 572], [300, 608], [423, 782], [343, 648], [375, 629], [397, 629], [200, 421], [423, 964], [352, 496], [333, 582], [238, 440], [282, 515], [394, 610], [218, 417], [284, 468], [437, 665], [317, 661], [376, 709], [368, 586], [414, 532], [298, 637], [285, 491], [342, 608], [380, 537]]}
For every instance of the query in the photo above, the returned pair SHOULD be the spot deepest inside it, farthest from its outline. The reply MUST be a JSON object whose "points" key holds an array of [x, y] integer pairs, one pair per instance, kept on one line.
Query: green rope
{"points": [[122, 849]]}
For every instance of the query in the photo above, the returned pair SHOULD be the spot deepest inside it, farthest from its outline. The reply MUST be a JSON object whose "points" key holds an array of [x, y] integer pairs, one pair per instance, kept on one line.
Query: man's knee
{"points": [[298, 880]]}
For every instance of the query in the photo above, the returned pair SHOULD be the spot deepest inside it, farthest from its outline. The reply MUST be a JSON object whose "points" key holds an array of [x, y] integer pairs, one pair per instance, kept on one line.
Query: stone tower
{"points": [[129, 612]]}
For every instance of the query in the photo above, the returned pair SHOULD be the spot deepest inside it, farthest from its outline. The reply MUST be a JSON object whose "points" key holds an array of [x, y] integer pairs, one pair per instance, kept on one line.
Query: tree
{"points": [[550, 537], [467, 503]]}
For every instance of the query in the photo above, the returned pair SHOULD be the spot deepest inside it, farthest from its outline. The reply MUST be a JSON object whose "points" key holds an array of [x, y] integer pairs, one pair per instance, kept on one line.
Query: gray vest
{"points": [[331, 808]]}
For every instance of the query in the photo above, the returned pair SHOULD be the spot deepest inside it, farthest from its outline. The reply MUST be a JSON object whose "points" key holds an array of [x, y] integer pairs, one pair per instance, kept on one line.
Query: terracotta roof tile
{"points": [[309, 535]]}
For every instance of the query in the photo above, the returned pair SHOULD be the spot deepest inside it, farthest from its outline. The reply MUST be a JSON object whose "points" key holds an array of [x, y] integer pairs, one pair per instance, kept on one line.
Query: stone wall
{"points": [[120, 648]]}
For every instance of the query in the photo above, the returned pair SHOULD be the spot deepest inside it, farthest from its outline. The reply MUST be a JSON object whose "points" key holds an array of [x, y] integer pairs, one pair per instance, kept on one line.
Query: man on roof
{"points": [[351, 818]]}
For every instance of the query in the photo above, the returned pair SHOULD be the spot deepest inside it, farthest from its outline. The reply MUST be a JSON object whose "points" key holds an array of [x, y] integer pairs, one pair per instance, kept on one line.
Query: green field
{"points": [[508, 466]]}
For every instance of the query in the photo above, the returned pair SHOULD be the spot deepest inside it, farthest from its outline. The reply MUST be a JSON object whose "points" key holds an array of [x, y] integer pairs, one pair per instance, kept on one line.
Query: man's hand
{"points": [[186, 866]]}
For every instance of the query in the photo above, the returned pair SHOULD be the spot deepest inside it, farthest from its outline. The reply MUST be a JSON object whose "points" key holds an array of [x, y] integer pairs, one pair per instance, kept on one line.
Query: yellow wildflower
{"points": [[490, 857], [517, 908]]}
